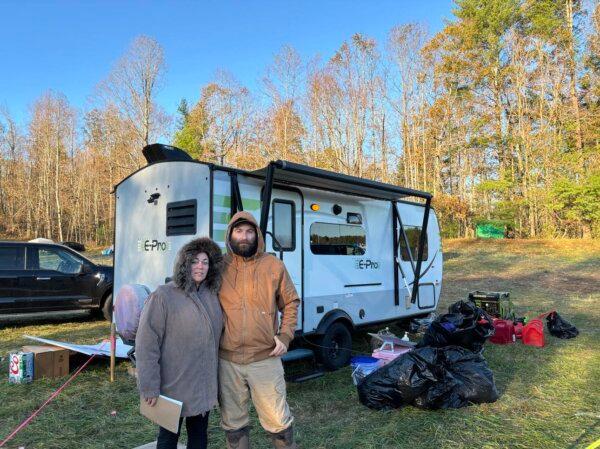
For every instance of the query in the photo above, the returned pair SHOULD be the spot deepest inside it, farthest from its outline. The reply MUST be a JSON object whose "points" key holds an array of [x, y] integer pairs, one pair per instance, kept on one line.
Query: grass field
{"points": [[549, 397]]}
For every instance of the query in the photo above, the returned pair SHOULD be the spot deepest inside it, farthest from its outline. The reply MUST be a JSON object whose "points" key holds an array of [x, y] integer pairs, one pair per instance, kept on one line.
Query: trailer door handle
{"points": [[42, 279]]}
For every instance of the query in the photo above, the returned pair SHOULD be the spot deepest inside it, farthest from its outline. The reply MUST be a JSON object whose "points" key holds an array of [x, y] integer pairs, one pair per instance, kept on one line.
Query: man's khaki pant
{"points": [[263, 382]]}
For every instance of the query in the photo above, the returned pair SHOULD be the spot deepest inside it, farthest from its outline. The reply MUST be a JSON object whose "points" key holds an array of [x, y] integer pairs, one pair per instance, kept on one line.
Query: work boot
{"points": [[283, 439], [238, 439]]}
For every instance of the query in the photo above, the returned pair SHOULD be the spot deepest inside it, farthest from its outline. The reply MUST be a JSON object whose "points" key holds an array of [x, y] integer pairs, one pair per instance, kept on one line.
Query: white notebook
{"points": [[165, 413]]}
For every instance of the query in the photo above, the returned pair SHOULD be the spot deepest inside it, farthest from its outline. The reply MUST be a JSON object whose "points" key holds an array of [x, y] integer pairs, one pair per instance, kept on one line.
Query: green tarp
{"points": [[489, 231]]}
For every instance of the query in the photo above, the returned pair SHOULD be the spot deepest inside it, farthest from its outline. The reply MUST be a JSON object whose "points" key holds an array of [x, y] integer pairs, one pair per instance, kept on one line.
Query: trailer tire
{"points": [[107, 307], [335, 346]]}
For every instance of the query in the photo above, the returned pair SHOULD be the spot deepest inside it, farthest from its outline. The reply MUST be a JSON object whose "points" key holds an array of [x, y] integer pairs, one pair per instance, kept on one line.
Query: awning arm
{"points": [[396, 263], [406, 243], [236, 197], [422, 238], [266, 199]]}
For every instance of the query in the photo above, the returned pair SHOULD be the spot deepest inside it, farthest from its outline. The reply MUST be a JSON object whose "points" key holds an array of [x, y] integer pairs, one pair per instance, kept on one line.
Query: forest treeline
{"points": [[497, 115]]}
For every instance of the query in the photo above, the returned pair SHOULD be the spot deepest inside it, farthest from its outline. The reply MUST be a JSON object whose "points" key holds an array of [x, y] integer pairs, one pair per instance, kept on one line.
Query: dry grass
{"points": [[550, 397]]}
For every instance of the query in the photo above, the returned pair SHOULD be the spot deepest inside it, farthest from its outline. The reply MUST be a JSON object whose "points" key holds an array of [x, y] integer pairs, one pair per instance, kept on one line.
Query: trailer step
{"points": [[297, 354], [302, 354]]}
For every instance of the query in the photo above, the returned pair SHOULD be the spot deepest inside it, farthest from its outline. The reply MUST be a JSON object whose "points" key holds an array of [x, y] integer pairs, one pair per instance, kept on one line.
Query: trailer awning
{"points": [[298, 174]]}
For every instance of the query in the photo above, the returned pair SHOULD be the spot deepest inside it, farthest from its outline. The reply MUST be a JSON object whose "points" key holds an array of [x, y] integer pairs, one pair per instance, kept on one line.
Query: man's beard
{"points": [[244, 250]]}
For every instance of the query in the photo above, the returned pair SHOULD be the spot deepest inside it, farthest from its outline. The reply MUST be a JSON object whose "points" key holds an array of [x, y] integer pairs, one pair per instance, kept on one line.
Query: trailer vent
{"points": [[181, 218]]}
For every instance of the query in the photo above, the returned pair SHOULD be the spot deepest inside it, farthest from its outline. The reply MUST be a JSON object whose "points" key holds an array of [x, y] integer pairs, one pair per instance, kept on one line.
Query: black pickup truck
{"points": [[40, 277]]}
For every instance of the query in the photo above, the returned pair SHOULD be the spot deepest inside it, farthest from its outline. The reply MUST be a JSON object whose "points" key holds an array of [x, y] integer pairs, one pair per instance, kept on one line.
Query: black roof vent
{"points": [[158, 152]]}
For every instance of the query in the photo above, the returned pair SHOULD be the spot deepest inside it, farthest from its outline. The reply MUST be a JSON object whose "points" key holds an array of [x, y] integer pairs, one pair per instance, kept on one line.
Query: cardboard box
{"points": [[49, 361]]}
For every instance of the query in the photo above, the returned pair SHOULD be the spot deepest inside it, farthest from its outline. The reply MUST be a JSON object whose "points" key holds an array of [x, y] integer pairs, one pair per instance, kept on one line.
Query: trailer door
{"points": [[285, 224], [411, 217]]}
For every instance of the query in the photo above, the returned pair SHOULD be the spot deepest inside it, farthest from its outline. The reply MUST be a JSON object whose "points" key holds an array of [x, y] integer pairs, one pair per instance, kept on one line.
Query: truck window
{"points": [[337, 239], [413, 234], [181, 217], [12, 258], [56, 259], [283, 225]]}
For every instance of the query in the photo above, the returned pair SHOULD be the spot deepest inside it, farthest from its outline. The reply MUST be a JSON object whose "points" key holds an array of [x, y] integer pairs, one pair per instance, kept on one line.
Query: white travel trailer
{"points": [[353, 247]]}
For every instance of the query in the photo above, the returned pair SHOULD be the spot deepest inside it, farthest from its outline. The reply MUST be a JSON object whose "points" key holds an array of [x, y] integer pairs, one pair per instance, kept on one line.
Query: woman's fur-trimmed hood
{"points": [[182, 271]]}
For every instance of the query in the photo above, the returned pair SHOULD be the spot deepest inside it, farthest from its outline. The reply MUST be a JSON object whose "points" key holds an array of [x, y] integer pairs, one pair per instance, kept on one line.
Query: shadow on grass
{"points": [[47, 318]]}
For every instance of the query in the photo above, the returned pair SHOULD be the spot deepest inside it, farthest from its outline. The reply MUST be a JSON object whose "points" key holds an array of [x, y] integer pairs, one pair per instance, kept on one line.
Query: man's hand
{"points": [[280, 348], [151, 401]]}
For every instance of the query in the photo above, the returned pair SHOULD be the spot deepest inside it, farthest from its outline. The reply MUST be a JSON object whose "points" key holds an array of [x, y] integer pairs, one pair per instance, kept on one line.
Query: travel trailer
{"points": [[353, 247]]}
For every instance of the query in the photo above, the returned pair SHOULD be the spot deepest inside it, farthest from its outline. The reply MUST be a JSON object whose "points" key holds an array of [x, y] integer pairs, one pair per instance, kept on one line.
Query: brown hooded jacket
{"points": [[253, 290]]}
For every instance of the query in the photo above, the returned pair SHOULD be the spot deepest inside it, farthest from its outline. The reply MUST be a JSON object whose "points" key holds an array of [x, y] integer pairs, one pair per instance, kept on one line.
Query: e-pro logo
{"points": [[366, 264], [151, 245]]}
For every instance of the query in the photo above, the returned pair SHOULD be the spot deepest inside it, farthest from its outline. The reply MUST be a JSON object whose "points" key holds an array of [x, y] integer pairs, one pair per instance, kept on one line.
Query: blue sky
{"points": [[70, 46]]}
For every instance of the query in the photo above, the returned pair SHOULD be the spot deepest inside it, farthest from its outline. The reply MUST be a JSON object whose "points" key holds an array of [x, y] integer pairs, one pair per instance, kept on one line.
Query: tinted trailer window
{"points": [[337, 239]]}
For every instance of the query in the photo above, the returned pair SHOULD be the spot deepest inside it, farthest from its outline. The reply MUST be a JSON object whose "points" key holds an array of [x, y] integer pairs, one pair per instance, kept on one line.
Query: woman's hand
{"points": [[151, 401]]}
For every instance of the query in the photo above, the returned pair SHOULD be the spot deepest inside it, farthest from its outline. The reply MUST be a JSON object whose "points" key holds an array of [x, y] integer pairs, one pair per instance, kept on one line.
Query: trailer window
{"points": [[337, 239], [181, 217], [413, 234], [283, 225]]}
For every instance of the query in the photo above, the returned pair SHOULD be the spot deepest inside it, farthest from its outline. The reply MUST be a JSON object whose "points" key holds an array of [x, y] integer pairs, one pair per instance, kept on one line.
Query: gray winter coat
{"points": [[178, 337]]}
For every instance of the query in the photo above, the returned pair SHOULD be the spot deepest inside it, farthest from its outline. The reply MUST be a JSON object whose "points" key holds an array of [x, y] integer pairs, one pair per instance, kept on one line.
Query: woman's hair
{"points": [[182, 276]]}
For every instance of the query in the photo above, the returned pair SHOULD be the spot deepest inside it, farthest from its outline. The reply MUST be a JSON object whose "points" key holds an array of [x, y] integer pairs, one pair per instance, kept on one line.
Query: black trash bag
{"points": [[401, 381], [430, 378], [560, 328], [467, 379], [466, 325]]}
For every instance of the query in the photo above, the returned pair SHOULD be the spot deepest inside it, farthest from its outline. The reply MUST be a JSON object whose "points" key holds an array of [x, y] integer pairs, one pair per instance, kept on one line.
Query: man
{"points": [[255, 287]]}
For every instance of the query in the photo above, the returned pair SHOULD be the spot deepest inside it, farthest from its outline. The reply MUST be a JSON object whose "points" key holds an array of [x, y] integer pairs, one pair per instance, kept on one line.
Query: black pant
{"points": [[196, 430]]}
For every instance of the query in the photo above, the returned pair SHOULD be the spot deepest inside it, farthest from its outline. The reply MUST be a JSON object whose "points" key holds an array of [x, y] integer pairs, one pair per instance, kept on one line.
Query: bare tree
{"points": [[223, 113], [11, 155], [51, 130], [132, 87], [342, 100], [282, 83]]}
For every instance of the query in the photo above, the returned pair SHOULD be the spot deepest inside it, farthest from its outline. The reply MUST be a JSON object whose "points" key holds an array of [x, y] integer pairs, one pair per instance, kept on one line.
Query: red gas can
{"points": [[533, 333], [519, 330], [504, 332]]}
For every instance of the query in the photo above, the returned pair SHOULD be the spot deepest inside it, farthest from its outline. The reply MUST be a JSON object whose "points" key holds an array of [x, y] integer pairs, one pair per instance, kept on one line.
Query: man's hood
{"points": [[245, 216]]}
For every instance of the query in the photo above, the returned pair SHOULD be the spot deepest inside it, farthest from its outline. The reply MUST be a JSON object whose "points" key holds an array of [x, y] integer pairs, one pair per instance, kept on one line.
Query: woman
{"points": [[177, 341]]}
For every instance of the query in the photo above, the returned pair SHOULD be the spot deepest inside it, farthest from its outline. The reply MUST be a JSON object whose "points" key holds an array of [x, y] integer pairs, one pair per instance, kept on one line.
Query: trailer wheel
{"points": [[335, 346]]}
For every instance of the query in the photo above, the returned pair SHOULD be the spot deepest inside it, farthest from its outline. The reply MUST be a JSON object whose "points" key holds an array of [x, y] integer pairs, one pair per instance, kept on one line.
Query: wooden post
{"points": [[113, 348]]}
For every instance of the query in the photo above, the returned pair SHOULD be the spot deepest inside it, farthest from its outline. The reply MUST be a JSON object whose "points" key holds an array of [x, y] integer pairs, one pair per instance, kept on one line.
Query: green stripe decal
{"points": [[222, 201], [250, 204], [219, 235], [225, 201], [221, 217]]}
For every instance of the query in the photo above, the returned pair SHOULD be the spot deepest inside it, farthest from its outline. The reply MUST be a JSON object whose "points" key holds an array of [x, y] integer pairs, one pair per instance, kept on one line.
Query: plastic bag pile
{"points": [[446, 370]]}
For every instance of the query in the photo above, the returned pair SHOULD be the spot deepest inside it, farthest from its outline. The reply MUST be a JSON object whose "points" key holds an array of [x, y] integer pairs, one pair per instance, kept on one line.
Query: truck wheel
{"points": [[107, 307], [335, 346]]}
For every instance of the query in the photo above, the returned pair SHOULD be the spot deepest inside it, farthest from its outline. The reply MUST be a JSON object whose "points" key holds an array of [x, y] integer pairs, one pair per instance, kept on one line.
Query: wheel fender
{"points": [[331, 317]]}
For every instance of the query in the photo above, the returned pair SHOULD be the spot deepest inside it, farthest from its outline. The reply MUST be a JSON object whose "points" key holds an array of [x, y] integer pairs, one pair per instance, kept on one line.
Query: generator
{"points": [[496, 304]]}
